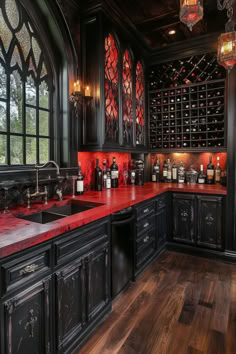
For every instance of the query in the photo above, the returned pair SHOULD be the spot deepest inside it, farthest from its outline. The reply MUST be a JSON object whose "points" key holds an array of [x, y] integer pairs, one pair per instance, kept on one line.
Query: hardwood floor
{"points": [[180, 305]]}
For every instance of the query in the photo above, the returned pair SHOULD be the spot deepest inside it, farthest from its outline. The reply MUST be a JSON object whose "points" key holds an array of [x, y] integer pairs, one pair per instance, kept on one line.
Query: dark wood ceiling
{"points": [[154, 18]]}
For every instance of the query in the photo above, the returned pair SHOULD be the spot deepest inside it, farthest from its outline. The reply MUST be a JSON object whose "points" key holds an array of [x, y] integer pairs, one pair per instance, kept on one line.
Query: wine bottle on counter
{"points": [[164, 173], [217, 171], [174, 173], [210, 172], [156, 171], [104, 174], [114, 174], [98, 177], [79, 182], [108, 185], [181, 173], [201, 176], [169, 172]]}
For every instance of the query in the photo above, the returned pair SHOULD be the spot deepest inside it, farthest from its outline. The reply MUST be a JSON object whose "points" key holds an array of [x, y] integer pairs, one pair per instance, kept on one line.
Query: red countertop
{"points": [[18, 234]]}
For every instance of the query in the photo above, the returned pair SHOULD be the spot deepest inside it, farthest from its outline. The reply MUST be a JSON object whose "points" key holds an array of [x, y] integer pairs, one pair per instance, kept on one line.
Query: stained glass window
{"points": [[25, 99], [111, 90], [139, 104], [127, 99]]}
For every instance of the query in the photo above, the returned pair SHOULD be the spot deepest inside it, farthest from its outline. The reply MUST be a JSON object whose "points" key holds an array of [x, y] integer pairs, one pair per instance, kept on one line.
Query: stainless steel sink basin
{"points": [[73, 207], [42, 217], [61, 211]]}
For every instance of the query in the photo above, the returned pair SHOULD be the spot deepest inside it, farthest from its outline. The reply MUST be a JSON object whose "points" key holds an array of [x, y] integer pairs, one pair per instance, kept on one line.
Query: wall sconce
{"points": [[78, 97]]}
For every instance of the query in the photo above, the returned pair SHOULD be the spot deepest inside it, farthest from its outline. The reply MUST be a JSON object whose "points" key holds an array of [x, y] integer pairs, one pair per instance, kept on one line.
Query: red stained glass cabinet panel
{"points": [[139, 104], [127, 95]]}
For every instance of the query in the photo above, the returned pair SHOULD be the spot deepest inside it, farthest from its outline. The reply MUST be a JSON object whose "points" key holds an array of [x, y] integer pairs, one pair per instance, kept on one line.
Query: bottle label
{"points": [[174, 173], [217, 177], [210, 174], [80, 186], [114, 174], [108, 183], [164, 173], [201, 180], [154, 178], [168, 174]]}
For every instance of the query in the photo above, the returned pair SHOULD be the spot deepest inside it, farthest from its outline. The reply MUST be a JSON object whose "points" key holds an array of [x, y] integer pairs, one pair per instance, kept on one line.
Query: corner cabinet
{"points": [[114, 119], [198, 220]]}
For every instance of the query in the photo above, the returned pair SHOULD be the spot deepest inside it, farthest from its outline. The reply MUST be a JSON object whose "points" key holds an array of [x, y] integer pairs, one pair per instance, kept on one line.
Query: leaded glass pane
{"points": [[43, 71], [31, 150], [43, 150], [16, 150], [1, 53], [127, 99], [43, 123], [12, 13], [111, 90], [24, 41], [3, 83], [3, 149], [30, 116], [36, 50], [15, 102], [16, 59], [139, 104], [32, 67], [43, 95], [30, 91], [5, 33], [3, 116]]}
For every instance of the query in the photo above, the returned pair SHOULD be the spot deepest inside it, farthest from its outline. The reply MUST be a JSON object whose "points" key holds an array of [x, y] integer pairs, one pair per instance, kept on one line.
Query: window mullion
{"points": [[8, 119], [24, 123]]}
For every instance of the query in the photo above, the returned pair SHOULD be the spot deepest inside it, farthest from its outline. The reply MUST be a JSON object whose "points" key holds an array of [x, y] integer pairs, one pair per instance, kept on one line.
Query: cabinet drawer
{"points": [[19, 271], [144, 255], [146, 209], [145, 239], [80, 241], [146, 224]]}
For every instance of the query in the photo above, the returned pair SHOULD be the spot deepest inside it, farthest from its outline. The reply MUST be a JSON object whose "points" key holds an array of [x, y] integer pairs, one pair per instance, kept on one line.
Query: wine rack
{"points": [[188, 117]]}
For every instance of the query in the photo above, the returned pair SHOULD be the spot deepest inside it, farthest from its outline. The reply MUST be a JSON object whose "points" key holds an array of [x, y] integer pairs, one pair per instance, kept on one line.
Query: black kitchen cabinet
{"points": [[184, 218], [198, 220], [210, 220], [26, 325], [163, 217], [82, 292]]}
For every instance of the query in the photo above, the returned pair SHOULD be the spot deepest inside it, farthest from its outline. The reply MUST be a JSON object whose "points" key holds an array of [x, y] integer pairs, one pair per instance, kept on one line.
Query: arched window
{"points": [[25, 90], [139, 104], [111, 90], [127, 102]]}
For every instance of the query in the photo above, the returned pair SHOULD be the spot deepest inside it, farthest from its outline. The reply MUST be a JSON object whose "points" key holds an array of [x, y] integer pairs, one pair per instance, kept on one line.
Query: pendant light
{"points": [[227, 41], [191, 11]]}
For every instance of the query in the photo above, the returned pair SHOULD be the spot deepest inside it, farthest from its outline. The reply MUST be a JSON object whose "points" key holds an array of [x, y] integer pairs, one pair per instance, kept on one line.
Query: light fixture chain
{"points": [[227, 5]]}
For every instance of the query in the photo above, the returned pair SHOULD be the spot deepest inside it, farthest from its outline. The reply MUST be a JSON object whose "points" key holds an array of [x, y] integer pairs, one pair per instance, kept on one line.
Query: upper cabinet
{"points": [[115, 117]]}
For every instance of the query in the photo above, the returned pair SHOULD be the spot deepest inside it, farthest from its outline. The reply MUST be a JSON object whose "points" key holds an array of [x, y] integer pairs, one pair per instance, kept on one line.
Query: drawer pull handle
{"points": [[146, 211], [146, 239], [146, 225], [29, 269]]}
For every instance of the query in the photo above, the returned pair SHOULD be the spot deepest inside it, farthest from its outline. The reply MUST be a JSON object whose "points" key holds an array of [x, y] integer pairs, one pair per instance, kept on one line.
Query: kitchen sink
{"points": [[42, 217], [61, 211], [73, 207]]}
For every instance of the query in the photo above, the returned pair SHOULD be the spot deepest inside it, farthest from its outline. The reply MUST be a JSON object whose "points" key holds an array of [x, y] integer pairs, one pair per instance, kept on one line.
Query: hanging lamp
{"points": [[191, 11]]}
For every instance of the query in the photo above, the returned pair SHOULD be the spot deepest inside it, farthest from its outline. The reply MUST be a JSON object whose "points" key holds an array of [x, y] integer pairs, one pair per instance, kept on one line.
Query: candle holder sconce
{"points": [[78, 98]]}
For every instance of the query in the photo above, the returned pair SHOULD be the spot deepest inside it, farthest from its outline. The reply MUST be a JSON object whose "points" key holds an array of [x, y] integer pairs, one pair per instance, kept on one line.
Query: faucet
{"points": [[37, 192]]}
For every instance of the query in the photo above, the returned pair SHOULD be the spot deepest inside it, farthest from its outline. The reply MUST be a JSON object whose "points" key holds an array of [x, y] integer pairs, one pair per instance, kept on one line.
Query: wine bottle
{"points": [[108, 185], [104, 174], [79, 182], [217, 171], [156, 171], [114, 174], [98, 177], [169, 172], [210, 171], [174, 173], [202, 176], [165, 167], [181, 173]]}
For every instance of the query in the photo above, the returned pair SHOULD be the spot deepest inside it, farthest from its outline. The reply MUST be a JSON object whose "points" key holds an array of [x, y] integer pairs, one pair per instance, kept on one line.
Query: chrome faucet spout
{"points": [[51, 162]]}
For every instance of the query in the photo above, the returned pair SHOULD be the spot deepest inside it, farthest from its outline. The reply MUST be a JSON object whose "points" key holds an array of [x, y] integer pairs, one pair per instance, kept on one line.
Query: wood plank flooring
{"points": [[180, 305]]}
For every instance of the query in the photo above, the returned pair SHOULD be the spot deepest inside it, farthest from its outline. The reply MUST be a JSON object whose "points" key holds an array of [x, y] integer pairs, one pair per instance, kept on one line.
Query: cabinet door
{"points": [[98, 280], [184, 218], [210, 221], [27, 321], [161, 228], [70, 304]]}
